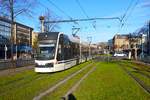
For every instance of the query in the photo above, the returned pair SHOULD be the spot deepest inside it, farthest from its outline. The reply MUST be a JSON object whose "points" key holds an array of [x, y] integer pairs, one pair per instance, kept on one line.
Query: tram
{"points": [[57, 51]]}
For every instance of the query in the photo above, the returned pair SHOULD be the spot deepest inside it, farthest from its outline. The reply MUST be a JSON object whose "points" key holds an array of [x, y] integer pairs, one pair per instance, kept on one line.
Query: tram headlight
{"points": [[49, 65], [36, 64]]}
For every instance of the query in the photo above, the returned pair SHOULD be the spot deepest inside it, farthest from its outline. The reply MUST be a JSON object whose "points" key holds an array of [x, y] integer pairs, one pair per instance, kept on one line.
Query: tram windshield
{"points": [[46, 52]]}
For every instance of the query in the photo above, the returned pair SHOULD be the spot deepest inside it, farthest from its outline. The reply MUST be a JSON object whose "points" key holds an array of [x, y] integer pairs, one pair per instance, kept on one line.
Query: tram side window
{"points": [[74, 50], [77, 51], [71, 50], [67, 53]]}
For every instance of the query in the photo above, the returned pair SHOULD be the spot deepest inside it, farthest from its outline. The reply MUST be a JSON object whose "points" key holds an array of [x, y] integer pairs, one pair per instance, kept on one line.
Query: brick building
{"points": [[120, 43]]}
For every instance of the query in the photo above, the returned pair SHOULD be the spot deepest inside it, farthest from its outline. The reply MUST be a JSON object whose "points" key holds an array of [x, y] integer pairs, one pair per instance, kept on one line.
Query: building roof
{"points": [[9, 21], [121, 36]]}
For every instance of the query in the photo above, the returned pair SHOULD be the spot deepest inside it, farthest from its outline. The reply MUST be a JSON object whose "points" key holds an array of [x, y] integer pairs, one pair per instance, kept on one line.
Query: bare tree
{"points": [[19, 7]]}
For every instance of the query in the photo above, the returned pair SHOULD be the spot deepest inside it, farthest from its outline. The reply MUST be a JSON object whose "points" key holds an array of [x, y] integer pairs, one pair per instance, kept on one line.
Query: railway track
{"points": [[60, 83], [137, 70], [74, 87], [142, 63], [138, 81]]}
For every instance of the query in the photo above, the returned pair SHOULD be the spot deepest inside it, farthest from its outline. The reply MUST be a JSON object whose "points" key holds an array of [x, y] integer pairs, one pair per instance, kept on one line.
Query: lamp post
{"points": [[130, 49], [19, 48], [148, 38], [89, 40], [89, 49], [11, 2], [6, 52], [80, 51], [16, 51], [142, 43]]}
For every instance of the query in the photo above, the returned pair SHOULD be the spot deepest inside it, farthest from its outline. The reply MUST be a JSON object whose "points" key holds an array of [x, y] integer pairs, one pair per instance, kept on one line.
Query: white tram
{"points": [[56, 52]]}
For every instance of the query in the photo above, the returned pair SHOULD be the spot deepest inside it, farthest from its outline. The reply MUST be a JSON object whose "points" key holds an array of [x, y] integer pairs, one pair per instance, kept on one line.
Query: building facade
{"points": [[129, 43], [34, 41], [120, 43], [22, 38], [144, 33], [5, 29]]}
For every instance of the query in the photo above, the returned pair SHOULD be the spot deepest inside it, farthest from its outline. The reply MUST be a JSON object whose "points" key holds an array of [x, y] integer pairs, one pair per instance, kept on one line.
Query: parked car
{"points": [[120, 55]]}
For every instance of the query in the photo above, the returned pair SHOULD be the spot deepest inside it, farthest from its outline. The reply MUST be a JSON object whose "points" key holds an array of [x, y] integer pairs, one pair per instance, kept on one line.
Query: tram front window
{"points": [[46, 52]]}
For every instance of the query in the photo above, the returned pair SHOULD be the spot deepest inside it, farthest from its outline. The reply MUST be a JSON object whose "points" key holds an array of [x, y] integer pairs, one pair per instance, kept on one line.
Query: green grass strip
{"points": [[35, 86], [140, 73], [110, 82]]}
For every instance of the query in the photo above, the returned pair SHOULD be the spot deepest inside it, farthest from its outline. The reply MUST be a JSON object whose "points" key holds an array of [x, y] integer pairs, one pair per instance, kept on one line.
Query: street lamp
{"points": [[6, 52], [130, 49], [80, 50], [16, 51], [89, 40], [142, 44]]}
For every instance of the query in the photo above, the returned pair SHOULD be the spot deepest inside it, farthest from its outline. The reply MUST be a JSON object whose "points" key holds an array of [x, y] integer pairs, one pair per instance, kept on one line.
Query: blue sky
{"points": [[105, 29]]}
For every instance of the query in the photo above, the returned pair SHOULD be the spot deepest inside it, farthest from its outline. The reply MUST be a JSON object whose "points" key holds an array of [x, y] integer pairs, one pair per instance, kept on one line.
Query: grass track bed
{"points": [[19, 83], [35, 86], [138, 72], [62, 90], [144, 79], [110, 82], [107, 82], [14, 78]]}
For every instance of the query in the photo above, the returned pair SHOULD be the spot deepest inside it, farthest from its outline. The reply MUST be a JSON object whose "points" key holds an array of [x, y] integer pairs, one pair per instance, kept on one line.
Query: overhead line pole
{"points": [[87, 19], [11, 2]]}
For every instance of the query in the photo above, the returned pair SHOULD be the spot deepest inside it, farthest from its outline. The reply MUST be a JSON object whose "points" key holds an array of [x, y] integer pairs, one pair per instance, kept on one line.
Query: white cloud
{"points": [[144, 4]]}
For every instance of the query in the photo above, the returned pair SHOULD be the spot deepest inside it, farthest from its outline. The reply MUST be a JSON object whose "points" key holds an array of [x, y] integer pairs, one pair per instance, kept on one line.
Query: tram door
{"points": [[60, 55]]}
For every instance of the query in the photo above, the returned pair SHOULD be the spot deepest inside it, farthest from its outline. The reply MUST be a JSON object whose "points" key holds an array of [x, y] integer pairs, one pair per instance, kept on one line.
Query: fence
{"points": [[146, 59], [107, 58], [17, 63]]}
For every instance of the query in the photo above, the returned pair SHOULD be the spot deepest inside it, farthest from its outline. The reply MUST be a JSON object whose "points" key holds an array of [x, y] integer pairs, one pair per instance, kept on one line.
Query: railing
{"points": [[146, 59], [107, 58], [6, 64]]}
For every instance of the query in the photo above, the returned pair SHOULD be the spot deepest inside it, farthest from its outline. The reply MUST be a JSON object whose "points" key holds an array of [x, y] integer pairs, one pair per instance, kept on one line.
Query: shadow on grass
{"points": [[69, 97]]}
